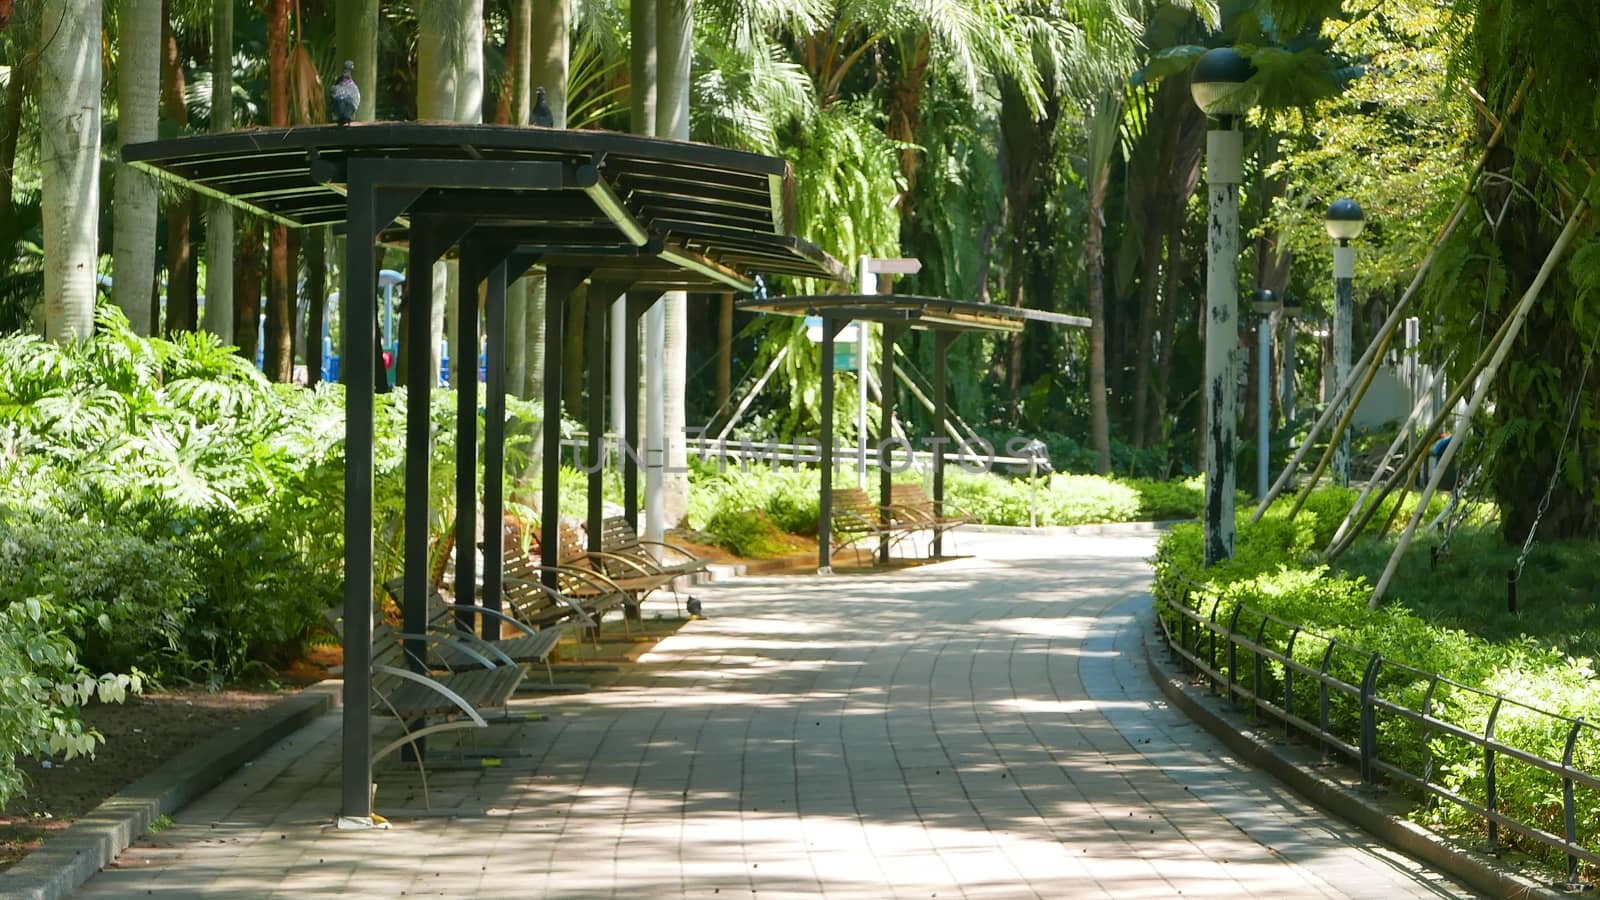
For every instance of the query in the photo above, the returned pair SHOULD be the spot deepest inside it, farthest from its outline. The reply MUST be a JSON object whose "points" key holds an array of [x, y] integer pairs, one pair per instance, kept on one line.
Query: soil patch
{"points": [[141, 734]]}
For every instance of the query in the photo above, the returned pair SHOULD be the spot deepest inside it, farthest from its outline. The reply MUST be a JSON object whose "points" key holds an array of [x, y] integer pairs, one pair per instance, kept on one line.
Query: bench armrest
{"points": [[432, 685], [461, 645]]}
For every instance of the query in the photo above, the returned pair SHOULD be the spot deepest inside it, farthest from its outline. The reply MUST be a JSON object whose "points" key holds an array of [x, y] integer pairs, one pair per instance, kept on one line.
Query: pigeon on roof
{"points": [[344, 98], [541, 110]]}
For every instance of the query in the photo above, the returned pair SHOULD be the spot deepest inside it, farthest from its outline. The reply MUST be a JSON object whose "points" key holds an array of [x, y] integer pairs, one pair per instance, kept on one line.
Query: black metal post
{"points": [[885, 432], [825, 501], [494, 445], [555, 304], [636, 305], [419, 391], [464, 378], [361, 318], [941, 359], [594, 335]]}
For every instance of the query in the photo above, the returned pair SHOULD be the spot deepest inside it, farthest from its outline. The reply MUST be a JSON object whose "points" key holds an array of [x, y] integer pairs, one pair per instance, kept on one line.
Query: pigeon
{"points": [[693, 605], [541, 110], [344, 98]]}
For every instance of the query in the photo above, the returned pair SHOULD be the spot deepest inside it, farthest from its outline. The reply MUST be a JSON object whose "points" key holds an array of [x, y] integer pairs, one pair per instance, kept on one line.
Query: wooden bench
{"points": [[856, 517], [634, 578], [914, 502], [427, 704], [581, 595], [528, 643], [658, 559]]}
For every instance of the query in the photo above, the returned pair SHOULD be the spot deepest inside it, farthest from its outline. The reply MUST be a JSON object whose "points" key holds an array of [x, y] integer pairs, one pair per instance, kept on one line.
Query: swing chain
{"points": [[1561, 449]]}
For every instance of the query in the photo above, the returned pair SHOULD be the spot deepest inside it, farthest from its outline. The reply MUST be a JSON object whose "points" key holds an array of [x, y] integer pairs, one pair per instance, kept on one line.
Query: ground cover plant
{"points": [[1276, 570]]}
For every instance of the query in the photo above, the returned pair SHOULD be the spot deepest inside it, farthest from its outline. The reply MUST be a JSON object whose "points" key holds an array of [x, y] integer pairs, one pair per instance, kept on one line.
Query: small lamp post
{"points": [[1220, 86], [1264, 306], [1290, 312], [1344, 222]]}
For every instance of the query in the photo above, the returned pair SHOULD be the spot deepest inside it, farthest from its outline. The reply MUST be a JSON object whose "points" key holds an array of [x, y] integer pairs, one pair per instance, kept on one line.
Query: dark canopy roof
{"points": [[931, 313], [668, 212]]}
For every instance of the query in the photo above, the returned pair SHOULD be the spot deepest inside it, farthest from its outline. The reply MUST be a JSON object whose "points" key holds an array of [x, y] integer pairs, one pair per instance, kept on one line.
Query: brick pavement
{"points": [[982, 728]]}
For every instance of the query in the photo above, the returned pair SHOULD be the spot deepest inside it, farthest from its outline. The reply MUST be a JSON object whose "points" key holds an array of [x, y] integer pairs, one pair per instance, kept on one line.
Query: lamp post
{"points": [[1265, 304], [1220, 88], [1291, 311], [1344, 222]]}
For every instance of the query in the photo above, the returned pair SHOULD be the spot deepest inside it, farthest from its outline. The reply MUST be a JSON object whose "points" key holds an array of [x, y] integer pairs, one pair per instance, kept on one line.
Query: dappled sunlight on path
{"points": [[978, 728]]}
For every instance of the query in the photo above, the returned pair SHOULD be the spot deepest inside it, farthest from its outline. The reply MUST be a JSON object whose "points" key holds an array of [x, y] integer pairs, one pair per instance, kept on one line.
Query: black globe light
{"points": [[1264, 302], [1291, 307], [1221, 84], [1344, 220]]}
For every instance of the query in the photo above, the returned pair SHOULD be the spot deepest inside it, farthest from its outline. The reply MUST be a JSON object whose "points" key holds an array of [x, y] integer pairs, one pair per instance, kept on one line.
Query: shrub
{"points": [[748, 533]]}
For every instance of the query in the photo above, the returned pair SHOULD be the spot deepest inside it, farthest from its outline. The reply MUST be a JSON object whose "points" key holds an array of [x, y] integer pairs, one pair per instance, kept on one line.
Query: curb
{"points": [[1346, 799], [65, 862], [1110, 528]]}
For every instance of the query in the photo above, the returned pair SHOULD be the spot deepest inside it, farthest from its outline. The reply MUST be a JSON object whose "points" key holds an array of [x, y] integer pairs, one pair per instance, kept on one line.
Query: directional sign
{"points": [[897, 266]]}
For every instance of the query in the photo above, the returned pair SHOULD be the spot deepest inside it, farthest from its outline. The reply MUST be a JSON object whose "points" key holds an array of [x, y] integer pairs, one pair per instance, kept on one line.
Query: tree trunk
{"points": [[316, 246], [278, 359], [136, 207], [1094, 255], [521, 65], [10, 129], [551, 54], [725, 350], [247, 288], [439, 57], [1173, 300], [642, 120], [183, 269], [675, 48], [356, 27], [219, 216], [69, 132], [182, 266]]}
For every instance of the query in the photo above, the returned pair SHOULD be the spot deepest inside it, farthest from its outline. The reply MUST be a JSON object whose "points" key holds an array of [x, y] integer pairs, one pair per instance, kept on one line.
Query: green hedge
{"points": [[1274, 571]]}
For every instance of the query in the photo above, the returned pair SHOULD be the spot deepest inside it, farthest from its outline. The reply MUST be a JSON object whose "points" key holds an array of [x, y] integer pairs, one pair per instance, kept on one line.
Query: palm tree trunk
{"points": [[642, 120], [521, 64], [69, 131], [1094, 253], [356, 27], [135, 211], [219, 215], [724, 350], [278, 360], [438, 70], [10, 129], [182, 266], [247, 288], [675, 49]]}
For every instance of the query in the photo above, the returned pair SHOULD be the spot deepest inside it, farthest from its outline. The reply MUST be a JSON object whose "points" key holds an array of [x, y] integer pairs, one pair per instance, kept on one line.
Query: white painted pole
{"points": [[1224, 171], [866, 283], [1263, 403], [1344, 273]]}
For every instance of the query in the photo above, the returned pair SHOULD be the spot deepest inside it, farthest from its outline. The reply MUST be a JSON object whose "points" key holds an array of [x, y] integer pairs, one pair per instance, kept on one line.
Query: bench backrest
{"points": [[911, 496], [855, 502], [617, 536]]}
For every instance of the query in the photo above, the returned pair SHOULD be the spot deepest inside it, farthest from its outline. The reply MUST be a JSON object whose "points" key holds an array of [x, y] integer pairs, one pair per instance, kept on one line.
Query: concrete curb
{"points": [[1346, 799], [65, 862], [1109, 528]]}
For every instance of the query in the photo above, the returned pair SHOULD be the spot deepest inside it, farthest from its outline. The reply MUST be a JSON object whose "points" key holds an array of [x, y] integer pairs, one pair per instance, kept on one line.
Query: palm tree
{"points": [[278, 358], [138, 107], [670, 317], [69, 111]]}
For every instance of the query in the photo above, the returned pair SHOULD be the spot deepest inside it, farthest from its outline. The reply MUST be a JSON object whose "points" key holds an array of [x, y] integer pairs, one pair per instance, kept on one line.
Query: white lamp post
{"points": [[1220, 85], [1265, 305], [1344, 222], [1291, 311]]}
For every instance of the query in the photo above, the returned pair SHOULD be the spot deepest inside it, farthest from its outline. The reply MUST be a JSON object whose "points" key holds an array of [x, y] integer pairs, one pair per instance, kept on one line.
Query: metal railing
{"points": [[1363, 706]]}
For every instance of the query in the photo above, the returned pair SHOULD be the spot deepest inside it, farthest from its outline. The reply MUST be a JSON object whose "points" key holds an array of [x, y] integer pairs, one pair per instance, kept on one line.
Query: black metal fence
{"points": [[1400, 723]]}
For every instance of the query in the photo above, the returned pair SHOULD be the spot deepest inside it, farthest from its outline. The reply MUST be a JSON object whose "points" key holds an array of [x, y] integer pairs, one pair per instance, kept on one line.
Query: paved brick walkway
{"points": [[981, 728]]}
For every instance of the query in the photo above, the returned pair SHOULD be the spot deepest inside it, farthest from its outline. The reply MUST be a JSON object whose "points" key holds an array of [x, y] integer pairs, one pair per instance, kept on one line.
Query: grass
{"points": [[1558, 595]]}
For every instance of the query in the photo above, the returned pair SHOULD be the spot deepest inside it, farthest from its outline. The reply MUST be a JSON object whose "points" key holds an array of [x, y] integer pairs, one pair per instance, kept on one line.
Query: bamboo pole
{"points": [[1386, 332], [1400, 437], [1517, 319], [1456, 394]]}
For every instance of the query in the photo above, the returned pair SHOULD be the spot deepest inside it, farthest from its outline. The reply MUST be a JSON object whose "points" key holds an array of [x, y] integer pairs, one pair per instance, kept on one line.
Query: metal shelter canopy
{"points": [[947, 319], [632, 216]]}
